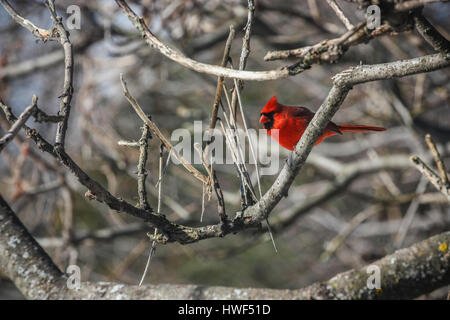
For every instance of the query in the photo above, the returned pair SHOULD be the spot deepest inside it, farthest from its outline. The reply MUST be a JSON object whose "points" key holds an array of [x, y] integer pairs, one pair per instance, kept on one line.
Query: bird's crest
{"points": [[271, 106]]}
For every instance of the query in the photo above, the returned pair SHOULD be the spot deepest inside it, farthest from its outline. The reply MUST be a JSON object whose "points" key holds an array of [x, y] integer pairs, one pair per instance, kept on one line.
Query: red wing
{"points": [[305, 113], [300, 112]]}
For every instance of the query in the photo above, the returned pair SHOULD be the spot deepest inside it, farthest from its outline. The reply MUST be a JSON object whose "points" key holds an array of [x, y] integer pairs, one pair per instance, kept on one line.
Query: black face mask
{"points": [[269, 124]]}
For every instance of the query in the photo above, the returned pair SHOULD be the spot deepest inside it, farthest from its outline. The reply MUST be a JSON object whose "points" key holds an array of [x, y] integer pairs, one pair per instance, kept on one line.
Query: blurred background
{"points": [[315, 228]]}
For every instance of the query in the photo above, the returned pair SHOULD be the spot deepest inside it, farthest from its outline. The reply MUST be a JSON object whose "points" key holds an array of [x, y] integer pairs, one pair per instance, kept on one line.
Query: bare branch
{"points": [[28, 66], [340, 14], [330, 50], [431, 176], [245, 53], [33, 271], [43, 34], [334, 244], [254, 215], [42, 144], [142, 172], [412, 4], [248, 32], [15, 128], [225, 58], [41, 116], [396, 69], [437, 158], [158, 133], [101, 235], [410, 214], [131, 144], [217, 189], [431, 35], [66, 96], [407, 273], [172, 54]]}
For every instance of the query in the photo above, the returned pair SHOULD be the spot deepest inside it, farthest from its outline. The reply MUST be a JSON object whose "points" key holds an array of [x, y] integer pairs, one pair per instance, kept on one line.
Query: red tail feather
{"points": [[350, 128]]}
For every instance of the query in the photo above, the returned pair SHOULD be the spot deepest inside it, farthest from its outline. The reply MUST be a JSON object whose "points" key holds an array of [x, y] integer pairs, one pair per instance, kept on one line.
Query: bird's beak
{"points": [[264, 119]]}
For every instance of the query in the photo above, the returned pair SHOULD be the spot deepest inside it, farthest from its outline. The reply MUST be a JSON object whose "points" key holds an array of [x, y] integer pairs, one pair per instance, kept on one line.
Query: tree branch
{"points": [[41, 143], [340, 14], [412, 4], [405, 274], [251, 216], [141, 171], [172, 54], [66, 96], [437, 158], [330, 50], [431, 35], [158, 133], [440, 181], [32, 271], [42, 34], [431, 176], [15, 128], [217, 189], [254, 215]]}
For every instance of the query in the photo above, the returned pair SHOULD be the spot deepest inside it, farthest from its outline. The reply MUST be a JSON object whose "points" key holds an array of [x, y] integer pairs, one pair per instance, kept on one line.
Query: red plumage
{"points": [[291, 123]]}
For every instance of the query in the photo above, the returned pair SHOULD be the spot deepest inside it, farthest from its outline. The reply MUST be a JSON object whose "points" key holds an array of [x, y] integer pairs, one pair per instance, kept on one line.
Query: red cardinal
{"points": [[292, 122]]}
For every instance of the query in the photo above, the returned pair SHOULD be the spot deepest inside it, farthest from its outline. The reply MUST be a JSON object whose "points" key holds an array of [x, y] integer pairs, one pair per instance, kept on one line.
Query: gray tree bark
{"points": [[405, 274]]}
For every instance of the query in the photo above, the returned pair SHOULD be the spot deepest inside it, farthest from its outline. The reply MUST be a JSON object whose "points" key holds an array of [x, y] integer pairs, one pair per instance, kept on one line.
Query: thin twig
{"points": [[66, 96], [206, 190], [430, 34], [437, 158], [141, 171], [233, 142], [153, 245], [35, 30], [217, 100], [131, 144], [289, 10], [410, 214], [269, 229], [225, 58], [198, 148], [41, 116], [340, 14], [40, 141], [412, 4], [329, 50], [220, 199], [245, 53], [158, 133], [248, 194], [252, 150], [15, 128], [432, 176], [174, 55], [337, 241]]}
